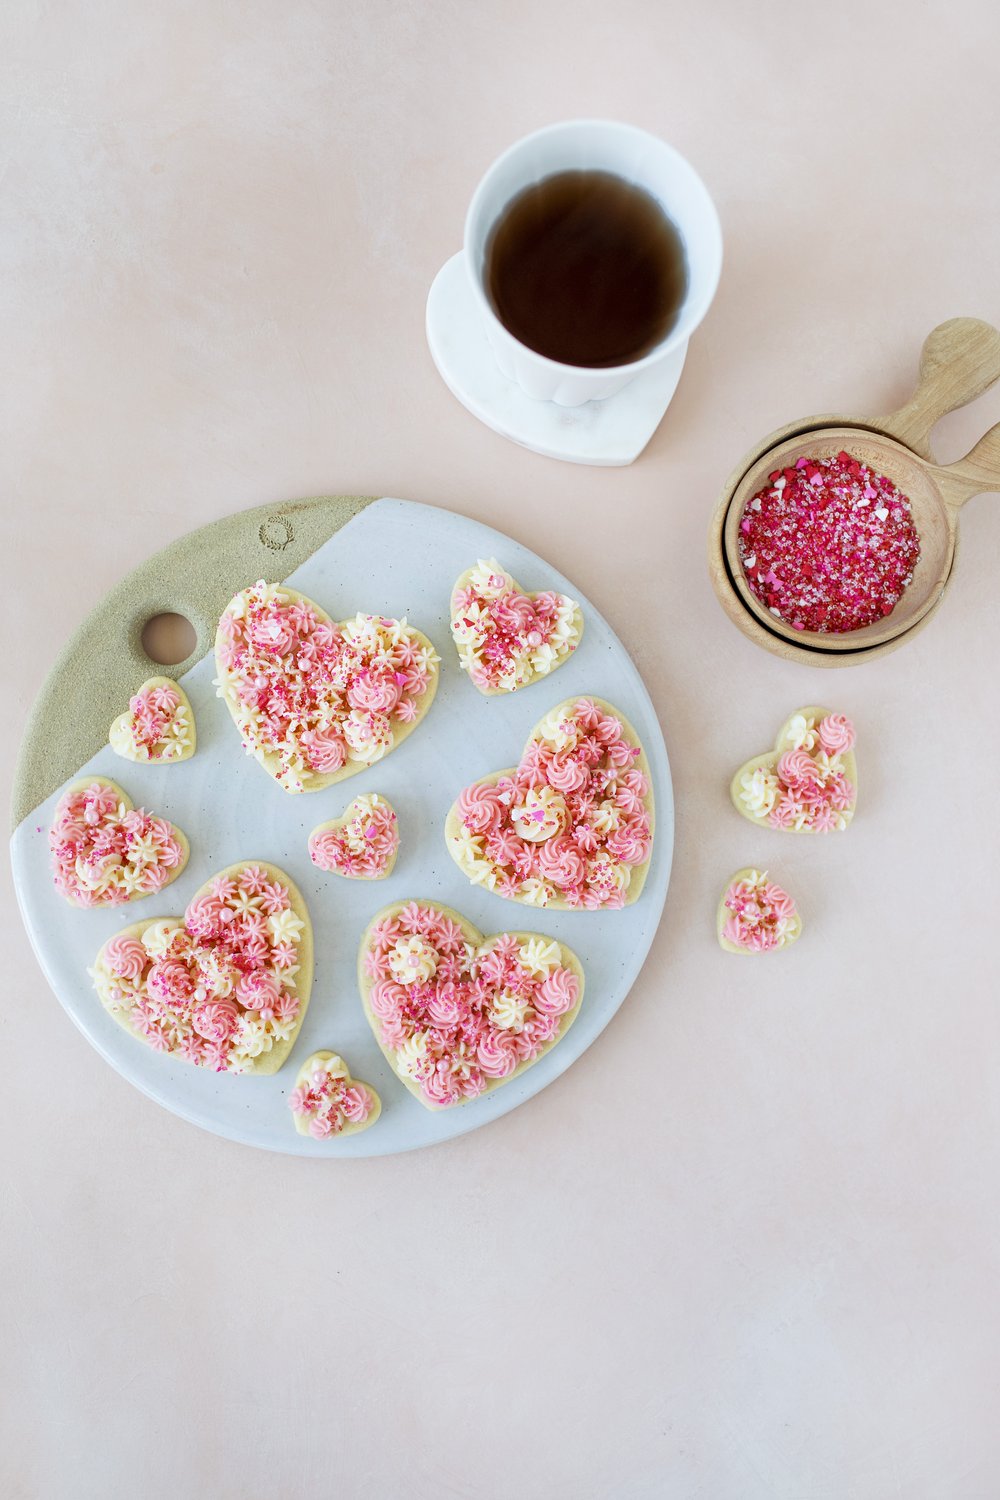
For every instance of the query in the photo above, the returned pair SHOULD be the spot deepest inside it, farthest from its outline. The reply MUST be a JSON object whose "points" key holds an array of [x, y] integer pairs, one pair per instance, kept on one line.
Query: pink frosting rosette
{"points": [[566, 774], [836, 734], [557, 993], [258, 990], [497, 1054], [480, 808], [373, 690], [324, 750], [126, 957], [798, 770], [215, 1019], [271, 632], [560, 861], [169, 980]]}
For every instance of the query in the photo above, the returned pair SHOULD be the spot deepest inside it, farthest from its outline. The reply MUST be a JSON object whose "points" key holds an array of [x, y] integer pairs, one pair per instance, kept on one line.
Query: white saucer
{"points": [[611, 432]]}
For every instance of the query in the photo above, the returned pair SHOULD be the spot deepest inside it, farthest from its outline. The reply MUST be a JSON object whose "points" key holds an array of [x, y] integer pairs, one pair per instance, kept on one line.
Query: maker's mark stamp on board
{"points": [[276, 533]]}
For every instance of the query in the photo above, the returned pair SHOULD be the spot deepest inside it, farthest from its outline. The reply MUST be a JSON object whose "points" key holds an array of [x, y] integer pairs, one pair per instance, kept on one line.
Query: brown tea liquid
{"points": [[587, 269]]}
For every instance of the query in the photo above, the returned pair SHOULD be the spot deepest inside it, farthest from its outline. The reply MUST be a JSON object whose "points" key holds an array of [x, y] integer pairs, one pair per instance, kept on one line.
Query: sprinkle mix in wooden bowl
{"points": [[829, 545]]}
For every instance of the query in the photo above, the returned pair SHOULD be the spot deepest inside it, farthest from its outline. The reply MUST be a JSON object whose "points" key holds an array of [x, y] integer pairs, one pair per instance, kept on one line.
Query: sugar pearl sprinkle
{"points": [[829, 545]]}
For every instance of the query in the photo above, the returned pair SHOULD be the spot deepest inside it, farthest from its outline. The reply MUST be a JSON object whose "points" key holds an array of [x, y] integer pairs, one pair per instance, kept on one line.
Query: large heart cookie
{"points": [[227, 986], [571, 827], [317, 701], [327, 1101], [105, 851], [755, 915], [362, 844], [505, 637], [158, 724], [456, 1013], [808, 783]]}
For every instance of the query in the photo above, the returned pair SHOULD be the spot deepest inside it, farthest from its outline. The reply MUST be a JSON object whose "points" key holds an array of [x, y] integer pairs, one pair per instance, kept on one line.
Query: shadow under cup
{"points": [[637, 157]]}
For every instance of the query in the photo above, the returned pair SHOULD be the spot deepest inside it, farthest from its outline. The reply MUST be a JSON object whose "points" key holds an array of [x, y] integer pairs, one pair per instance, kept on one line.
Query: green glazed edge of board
{"points": [[103, 663]]}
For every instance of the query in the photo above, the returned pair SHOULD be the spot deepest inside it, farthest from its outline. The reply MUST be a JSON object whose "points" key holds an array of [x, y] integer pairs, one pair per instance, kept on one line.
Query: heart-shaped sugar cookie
{"points": [[506, 638], [226, 986], [105, 851], [456, 1013], [362, 844], [571, 827], [755, 915], [327, 1101], [317, 701], [808, 783], [158, 724]]}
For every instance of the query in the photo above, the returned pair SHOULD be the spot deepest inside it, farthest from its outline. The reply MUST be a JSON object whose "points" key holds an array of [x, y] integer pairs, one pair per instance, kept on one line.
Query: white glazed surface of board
{"points": [[398, 558]]}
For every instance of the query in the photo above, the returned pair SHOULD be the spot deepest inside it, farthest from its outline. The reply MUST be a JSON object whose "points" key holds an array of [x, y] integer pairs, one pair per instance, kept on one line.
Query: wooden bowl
{"points": [[936, 495], [960, 360], [789, 650]]}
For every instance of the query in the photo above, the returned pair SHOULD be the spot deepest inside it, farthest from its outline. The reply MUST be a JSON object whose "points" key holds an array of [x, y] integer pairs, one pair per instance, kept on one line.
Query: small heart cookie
{"points": [[105, 851], [506, 638], [808, 783], [227, 986], [317, 701], [362, 844], [571, 827], [458, 1014], [327, 1101], [157, 726], [755, 915]]}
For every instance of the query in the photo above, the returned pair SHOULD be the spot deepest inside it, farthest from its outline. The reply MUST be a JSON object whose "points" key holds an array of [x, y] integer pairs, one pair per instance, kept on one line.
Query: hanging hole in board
{"points": [[169, 638]]}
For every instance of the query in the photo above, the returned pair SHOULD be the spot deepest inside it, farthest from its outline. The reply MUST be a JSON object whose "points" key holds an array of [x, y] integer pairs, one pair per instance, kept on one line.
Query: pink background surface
{"points": [[747, 1247]]}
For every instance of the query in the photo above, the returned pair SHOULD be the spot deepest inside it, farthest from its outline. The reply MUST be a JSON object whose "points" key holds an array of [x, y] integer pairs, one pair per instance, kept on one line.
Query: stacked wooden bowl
{"points": [[960, 360]]}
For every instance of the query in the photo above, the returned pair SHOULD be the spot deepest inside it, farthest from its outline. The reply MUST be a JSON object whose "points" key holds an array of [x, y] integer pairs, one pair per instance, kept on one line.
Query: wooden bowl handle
{"points": [[976, 472], [959, 361]]}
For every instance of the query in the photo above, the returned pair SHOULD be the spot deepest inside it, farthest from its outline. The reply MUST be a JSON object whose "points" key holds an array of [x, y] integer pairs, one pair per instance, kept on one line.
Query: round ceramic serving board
{"points": [[384, 556]]}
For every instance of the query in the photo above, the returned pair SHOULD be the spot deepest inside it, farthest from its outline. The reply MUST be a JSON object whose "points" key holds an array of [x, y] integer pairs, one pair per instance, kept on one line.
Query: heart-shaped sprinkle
{"points": [[105, 851], [362, 844], [157, 726], [755, 915], [571, 827], [317, 701], [456, 1013], [327, 1101], [225, 988], [505, 637], [809, 782]]}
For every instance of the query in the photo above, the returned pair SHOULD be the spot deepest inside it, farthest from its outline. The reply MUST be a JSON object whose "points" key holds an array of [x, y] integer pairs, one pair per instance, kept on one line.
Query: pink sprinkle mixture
{"points": [[218, 990], [106, 852], [829, 545], [761, 915], [361, 844], [328, 1099], [580, 784], [460, 1019]]}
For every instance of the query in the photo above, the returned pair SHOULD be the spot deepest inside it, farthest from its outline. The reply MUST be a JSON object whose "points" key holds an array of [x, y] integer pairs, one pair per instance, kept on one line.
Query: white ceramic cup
{"points": [[595, 145]]}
